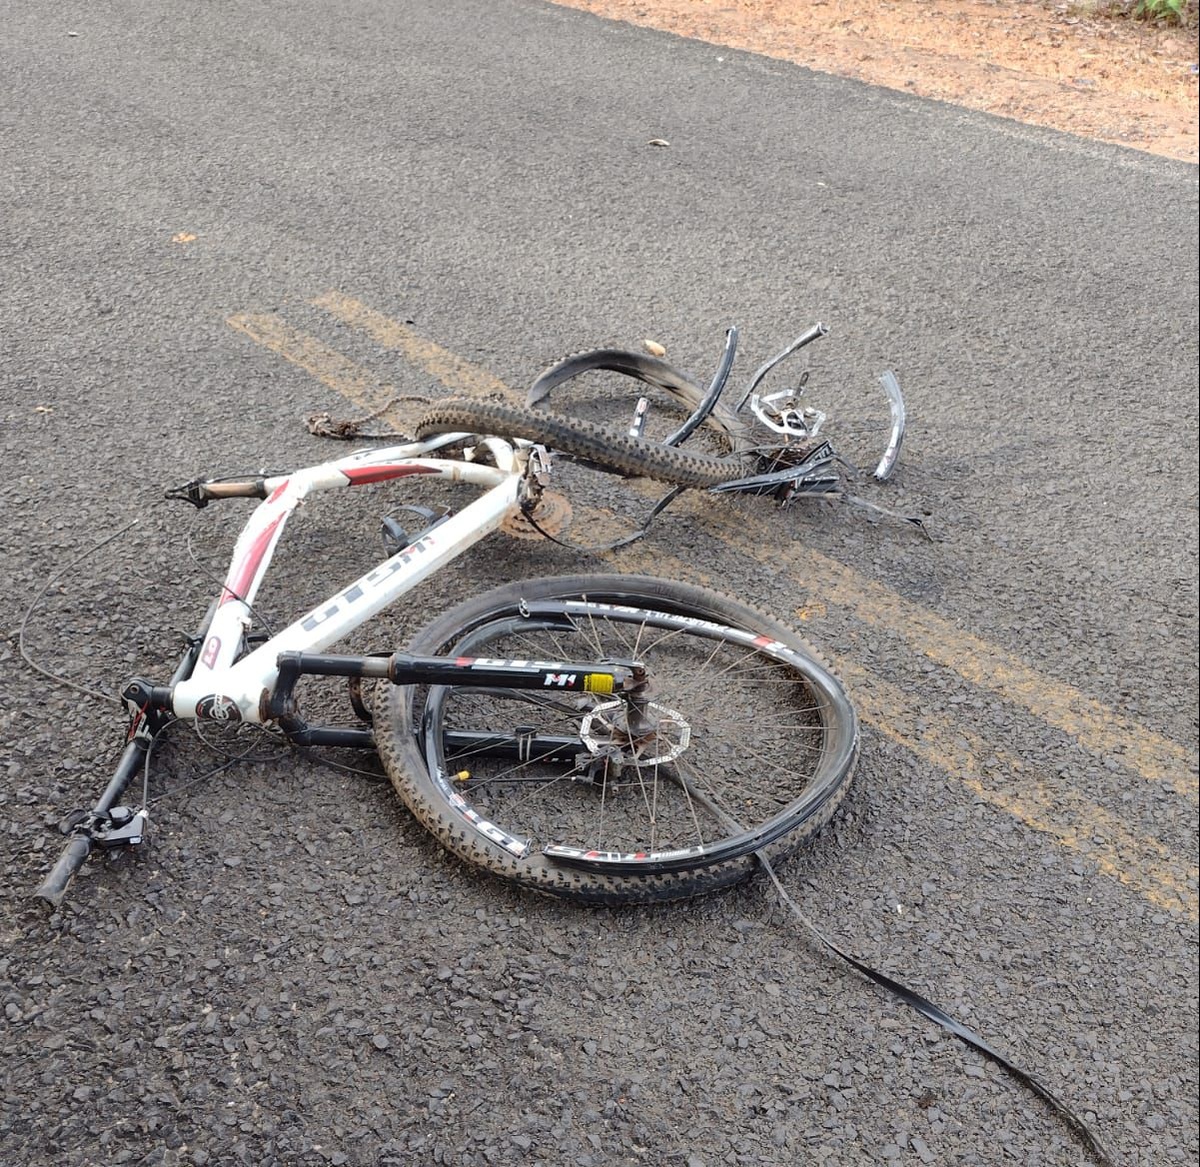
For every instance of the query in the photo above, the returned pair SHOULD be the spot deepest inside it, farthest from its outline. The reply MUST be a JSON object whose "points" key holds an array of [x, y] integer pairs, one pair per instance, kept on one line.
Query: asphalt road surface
{"points": [[216, 218]]}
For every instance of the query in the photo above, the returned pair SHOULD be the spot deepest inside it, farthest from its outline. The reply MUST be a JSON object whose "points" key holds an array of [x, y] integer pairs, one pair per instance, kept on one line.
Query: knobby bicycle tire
{"points": [[723, 425], [764, 775], [596, 444]]}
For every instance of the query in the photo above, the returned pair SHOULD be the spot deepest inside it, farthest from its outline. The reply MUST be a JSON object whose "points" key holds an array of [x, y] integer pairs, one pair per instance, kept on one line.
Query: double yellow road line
{"points": [[993, 771]]}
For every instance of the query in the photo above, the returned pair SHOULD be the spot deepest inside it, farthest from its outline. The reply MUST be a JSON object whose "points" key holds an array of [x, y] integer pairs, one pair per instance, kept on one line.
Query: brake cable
{"points": [[25, 656], [529, 508]]}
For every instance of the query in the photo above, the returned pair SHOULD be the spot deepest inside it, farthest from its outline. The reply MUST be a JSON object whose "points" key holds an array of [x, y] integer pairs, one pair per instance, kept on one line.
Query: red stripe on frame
{"points": [[237, 584], [384, 473]]}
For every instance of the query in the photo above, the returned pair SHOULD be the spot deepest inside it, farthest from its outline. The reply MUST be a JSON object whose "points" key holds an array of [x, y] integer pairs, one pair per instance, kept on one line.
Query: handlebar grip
{"points": [[244, 488], [54, 887]]}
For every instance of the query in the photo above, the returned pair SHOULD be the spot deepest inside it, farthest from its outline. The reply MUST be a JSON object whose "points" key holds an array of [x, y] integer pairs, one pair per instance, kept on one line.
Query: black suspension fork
{"points": [[623, 679]]}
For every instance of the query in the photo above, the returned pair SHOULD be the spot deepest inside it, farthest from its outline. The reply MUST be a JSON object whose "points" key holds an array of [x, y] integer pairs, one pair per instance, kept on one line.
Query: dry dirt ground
{"points": [[1058, 65]]}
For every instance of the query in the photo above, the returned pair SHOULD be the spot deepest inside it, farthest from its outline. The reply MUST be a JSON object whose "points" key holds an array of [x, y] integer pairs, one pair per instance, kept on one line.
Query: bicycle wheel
{"points": [[596, 444], [746, 741]]}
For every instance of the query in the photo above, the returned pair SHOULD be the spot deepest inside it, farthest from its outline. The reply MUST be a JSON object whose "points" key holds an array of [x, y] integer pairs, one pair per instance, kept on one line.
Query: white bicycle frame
{"points": [[214, 682], [223, 687]]}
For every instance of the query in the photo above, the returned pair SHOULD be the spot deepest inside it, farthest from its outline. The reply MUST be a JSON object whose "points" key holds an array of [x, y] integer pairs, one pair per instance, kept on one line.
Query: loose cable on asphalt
{"points": [[38, 599], [940, 1017]]}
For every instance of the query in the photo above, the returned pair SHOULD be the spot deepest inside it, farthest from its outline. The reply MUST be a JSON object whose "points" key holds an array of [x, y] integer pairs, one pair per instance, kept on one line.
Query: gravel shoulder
{"points": [[1049, 64]]}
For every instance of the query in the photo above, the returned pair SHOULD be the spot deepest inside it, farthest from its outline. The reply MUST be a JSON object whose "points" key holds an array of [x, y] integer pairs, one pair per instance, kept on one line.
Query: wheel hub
{"points": [[606, 729]]}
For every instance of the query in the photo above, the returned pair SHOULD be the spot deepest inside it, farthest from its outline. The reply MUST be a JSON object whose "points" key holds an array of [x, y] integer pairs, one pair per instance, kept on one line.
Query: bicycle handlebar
{"points": [[88, 831], [54, 886]]}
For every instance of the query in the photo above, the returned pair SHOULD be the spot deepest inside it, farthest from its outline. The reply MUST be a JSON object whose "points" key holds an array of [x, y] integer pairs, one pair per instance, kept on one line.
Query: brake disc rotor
{"points": [[671, 736], [552, 514]]}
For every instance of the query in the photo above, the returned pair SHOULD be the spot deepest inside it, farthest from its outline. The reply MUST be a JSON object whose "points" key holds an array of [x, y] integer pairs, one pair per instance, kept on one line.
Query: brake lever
{"points": [[189, 492]]}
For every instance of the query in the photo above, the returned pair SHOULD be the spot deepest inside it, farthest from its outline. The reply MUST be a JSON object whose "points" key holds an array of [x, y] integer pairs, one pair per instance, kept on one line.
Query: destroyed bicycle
{"points": [[605, 738]]}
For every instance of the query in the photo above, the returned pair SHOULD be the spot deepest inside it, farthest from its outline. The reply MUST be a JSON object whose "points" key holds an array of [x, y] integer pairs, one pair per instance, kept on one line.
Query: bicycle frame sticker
{"points": [[553, 674], [629, 858], [374, 579], [245, 572], [218, 708]]}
